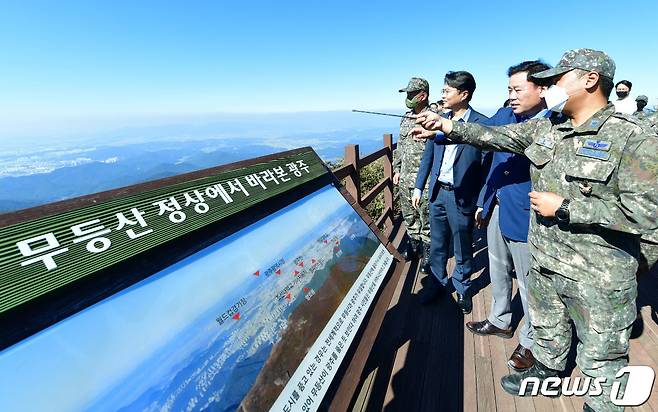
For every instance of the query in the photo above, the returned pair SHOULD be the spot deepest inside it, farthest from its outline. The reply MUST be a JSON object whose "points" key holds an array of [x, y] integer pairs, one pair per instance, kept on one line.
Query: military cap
{"points": [[642, 98], [585, 59], [415, 84]]}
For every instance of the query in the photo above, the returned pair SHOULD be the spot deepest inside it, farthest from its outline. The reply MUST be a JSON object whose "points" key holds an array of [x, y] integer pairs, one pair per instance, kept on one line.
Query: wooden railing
{"points": [[350, 173], [348, 393]]}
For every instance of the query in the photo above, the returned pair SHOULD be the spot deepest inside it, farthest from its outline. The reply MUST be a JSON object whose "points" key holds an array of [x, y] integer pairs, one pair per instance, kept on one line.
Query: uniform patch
{"points": [[597, 144], [593, 153], [594, 123], [542, 141]]}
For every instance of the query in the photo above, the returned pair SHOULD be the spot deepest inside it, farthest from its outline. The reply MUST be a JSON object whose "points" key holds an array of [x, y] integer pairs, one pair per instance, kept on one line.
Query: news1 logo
{"points": [[637, 391]]}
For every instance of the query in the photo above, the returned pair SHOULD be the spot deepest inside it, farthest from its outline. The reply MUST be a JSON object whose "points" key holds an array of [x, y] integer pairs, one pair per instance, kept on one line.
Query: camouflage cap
{"points": [[585, 59], [642, 98], [415, 84]]}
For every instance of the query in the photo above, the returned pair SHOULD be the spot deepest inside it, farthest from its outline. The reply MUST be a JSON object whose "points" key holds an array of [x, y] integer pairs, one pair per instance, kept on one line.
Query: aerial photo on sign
{"points": [[223, 329]]}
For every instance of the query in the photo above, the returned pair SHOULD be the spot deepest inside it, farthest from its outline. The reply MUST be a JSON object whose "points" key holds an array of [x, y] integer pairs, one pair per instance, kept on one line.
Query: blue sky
{"points": [[73, 63], [98, 347]]}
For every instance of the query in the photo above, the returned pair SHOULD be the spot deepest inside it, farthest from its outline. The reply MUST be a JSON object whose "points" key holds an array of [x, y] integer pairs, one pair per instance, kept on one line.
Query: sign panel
{"points": [[224, 329], [307, 387], [42, 255]]}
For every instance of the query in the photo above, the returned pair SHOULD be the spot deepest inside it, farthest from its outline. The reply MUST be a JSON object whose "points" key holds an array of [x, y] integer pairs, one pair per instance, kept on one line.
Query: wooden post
{"points": [[353, 180], [388, 191]]}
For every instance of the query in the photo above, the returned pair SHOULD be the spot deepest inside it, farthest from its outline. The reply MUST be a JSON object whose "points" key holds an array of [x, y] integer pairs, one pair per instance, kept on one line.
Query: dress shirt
{"points": [[445, 174]]}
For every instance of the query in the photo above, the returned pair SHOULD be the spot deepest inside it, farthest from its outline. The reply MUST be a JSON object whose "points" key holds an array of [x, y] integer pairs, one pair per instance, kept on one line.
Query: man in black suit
{"points": [[456, 179]]}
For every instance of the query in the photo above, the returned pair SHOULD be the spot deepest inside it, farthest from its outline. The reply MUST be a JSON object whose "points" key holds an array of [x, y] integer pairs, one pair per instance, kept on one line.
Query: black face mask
{"points": [[622, 95]]}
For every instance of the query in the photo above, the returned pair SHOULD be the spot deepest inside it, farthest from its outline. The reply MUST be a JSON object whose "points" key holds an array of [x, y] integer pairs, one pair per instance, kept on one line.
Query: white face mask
{"points": [[556, 97]]}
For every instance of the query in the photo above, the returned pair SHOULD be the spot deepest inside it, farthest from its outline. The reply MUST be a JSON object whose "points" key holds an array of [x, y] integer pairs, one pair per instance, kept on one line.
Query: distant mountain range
{"points": [[32, 178]]}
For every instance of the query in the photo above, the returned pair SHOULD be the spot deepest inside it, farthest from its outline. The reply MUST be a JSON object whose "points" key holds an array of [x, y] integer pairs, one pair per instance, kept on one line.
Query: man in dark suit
{"points": [[505, 205], [455, 182]]}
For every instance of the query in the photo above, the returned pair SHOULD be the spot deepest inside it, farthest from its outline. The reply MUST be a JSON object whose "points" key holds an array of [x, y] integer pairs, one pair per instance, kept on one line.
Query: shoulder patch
{"points": [[546, 142]]}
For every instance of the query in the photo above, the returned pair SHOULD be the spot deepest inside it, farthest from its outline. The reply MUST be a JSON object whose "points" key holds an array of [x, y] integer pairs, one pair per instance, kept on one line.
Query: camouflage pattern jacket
{"points": [[409, 153], [607, 167], [652, 120]]}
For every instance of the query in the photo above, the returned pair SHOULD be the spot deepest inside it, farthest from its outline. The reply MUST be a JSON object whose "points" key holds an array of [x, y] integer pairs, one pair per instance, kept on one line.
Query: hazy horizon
{"points": [[118, 130]]}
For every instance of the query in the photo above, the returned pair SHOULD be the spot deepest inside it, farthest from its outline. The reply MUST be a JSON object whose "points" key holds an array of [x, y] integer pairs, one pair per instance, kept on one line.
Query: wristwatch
{"points": [[562, 213]]}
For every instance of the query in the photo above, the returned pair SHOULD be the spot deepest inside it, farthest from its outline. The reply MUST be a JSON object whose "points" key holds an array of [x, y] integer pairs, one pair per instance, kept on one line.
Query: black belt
{"points": [[446, 186]]}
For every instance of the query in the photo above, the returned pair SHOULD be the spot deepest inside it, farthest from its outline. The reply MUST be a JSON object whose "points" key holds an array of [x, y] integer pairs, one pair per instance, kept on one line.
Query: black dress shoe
{"points": [[485, 328], [465, 303], [512, 383]]}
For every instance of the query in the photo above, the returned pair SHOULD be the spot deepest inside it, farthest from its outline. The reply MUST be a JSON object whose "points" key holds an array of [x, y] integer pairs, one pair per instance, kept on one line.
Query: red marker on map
{"points": [[338, 242], [336, 249], [257, 273], [326, 241], [306, 290], [289, 296], [296, 273], [313, 261], [236, 316], [301, 264], [278, 272]]}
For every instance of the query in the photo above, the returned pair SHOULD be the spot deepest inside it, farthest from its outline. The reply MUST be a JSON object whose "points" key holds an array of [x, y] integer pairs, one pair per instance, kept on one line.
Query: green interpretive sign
{"points": [[41, 255]]}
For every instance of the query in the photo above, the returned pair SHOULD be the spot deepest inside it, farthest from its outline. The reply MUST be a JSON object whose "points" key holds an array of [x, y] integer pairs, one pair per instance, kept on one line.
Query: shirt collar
{"points": [[541, 114], [463, 117]]}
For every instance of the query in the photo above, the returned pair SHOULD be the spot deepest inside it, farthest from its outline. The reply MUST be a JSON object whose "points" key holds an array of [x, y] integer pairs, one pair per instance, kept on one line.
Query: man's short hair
{"points": [[531, 67], [461, 80], [625, 83]]}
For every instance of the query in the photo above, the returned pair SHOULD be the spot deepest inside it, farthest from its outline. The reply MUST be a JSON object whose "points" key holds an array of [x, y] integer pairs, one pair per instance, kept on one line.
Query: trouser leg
{"points": [[521, 257], [550, 319], [603, 320], [461, 227], [424, 218], [500, 267], [409, 214], [440, 239]]}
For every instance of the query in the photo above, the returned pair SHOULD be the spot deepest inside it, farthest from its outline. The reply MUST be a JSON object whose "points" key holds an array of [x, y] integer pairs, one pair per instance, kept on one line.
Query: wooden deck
{"points": [[425, 359]]}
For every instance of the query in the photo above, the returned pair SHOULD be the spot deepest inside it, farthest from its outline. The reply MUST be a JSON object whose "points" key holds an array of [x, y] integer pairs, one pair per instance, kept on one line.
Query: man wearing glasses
{"points": [[455, 174]]}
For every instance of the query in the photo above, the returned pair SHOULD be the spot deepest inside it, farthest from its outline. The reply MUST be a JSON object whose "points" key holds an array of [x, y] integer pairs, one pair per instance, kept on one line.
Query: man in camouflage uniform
{"points": [[649, 243], [594, 176], [641, 102], [406, 160]]}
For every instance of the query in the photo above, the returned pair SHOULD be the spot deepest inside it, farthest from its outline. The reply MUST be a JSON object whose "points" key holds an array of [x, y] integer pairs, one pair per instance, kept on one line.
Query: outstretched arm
{"points": [[509, 138]]}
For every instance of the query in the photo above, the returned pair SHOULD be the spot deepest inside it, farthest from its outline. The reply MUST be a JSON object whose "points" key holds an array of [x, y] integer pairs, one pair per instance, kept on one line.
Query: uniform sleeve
{"points": [[634, 211], [509, 138], [397, 158]]}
